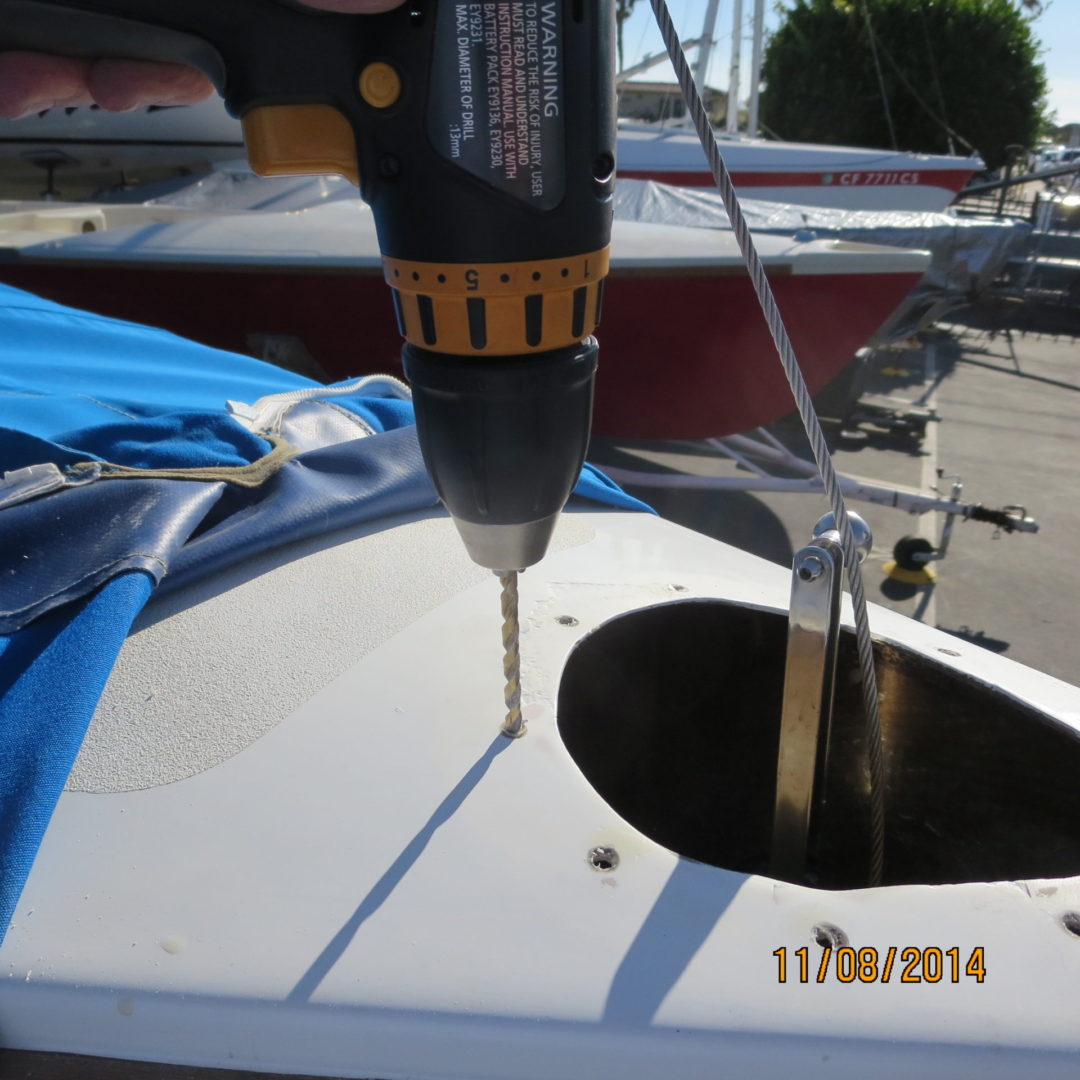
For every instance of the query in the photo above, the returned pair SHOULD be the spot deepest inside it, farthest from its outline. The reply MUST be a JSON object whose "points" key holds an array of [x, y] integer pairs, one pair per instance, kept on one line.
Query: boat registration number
{"points": [[877, 179]]}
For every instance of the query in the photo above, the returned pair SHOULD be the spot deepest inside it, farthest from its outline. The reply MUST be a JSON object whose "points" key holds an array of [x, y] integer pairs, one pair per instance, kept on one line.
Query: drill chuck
{"points": [[504, 441]]}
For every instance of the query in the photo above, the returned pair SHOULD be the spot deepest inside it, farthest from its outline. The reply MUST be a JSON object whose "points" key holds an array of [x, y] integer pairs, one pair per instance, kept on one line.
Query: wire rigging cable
{"points": [[822, 457], [880, 76], [937, 80]]}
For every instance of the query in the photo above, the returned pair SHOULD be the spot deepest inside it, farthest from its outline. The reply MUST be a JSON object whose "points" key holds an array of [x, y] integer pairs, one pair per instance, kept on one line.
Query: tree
{"points": [[955, 75]]}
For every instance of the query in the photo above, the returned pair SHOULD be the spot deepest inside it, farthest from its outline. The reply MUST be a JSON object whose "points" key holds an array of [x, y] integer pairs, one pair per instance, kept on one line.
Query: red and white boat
{"points": [[845, 177], [848, 177], [90, 144], [686, 353]]}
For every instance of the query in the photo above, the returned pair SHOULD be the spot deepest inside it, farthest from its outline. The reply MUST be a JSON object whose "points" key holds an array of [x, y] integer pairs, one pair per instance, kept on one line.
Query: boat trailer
{"points": [[762, 455]]}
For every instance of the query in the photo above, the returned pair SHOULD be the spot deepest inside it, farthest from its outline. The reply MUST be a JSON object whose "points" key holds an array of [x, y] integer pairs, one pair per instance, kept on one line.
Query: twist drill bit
{"points": [[513, 726]]}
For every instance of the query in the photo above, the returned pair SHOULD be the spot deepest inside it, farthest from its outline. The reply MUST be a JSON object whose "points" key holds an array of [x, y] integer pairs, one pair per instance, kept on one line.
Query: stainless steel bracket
{"points": [[817, 582], [809, 677]]}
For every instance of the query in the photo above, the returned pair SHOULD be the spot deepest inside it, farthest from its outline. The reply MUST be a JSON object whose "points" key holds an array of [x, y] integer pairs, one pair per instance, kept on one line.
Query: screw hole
{"points": [[830, 937], [566, 620], [1071, 921], [603, 167], [389, 166], [603, 859]]}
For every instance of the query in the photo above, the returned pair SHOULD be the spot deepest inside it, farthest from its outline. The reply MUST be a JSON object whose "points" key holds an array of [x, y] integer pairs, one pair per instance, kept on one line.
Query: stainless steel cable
{"points": [[880, 77], [875, 749]]}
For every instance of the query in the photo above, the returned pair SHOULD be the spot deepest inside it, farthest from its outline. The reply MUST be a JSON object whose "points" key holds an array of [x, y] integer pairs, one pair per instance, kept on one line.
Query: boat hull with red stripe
{"points": [[839, 176], [685, 350]]}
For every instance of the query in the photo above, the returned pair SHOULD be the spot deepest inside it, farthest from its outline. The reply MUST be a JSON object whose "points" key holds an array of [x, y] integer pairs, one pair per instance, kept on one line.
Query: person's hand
{"points": [[31, 82]]}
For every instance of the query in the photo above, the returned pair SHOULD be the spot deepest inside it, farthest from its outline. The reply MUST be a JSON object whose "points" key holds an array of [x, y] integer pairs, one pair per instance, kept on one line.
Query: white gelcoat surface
{"points": [[648, 146], [382, 886], [341, 234]]}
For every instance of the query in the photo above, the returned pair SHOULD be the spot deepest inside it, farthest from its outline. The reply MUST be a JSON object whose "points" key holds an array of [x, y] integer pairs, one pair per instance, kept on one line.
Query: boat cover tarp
{"points": [[88, 406], [231, 186], [968, 253]]}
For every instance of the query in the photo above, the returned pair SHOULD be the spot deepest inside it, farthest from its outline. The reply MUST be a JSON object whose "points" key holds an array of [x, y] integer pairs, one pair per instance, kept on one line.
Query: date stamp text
{"points": [[901, 964]]}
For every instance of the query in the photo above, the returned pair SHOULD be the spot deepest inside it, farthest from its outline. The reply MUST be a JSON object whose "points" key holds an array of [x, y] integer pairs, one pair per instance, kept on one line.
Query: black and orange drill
{"points": [[482, 133]]}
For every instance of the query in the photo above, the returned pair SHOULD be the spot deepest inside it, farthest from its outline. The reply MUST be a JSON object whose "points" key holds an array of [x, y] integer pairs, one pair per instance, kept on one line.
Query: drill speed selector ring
{"points": [[498, 309]]}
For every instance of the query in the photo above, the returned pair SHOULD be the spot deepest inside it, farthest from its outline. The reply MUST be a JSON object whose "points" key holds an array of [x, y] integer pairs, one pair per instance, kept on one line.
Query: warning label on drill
{"points": [[497, 94]]}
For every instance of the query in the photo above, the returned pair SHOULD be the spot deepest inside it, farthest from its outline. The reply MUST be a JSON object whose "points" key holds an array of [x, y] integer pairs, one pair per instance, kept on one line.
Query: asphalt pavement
{"points": [[1004, 385]]}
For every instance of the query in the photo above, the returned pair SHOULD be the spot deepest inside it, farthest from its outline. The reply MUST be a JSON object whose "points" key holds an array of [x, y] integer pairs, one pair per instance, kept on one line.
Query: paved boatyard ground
{"points": [[1009, 426]]}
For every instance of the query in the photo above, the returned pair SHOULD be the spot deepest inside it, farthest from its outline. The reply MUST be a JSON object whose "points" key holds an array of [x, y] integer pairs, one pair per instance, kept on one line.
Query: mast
{"points": [[701, 68], [732, 125], [626, 74], [755, 67]]}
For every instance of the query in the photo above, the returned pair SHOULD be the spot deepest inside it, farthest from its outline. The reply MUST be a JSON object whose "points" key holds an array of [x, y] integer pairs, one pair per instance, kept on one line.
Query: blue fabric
{"points": [[61, 547], [51, 676], [74, 378], [78, 564], [64, 370]]}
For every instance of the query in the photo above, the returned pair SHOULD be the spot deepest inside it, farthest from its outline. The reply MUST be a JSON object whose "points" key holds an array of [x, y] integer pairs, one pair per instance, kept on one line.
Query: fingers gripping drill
{"points": [[482, 134]]}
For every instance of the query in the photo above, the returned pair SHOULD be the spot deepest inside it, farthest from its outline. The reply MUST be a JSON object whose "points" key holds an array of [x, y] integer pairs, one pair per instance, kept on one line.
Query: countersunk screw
{"points": [[603, 859], [810, 568]]}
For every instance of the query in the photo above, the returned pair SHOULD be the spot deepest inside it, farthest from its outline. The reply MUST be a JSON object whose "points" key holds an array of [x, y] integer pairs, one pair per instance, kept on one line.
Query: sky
{"points": [[1057, 28]]}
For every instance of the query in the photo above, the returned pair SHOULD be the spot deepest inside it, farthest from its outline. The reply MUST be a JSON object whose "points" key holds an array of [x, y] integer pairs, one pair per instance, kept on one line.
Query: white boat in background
{"points": [[75, 151], [850, 178], [815, 174], [103, 146]]}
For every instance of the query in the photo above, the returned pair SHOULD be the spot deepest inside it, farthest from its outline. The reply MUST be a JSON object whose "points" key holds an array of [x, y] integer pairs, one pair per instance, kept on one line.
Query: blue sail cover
{"points": [[101, 426]]}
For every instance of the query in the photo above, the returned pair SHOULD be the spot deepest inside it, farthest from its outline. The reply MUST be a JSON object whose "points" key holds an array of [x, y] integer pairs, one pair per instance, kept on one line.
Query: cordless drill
{"points": [[482, 133]]}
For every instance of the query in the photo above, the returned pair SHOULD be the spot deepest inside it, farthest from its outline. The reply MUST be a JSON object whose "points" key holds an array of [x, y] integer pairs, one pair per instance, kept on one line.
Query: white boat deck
{"points": [[341, 234], [358, 876], [644, 145]]}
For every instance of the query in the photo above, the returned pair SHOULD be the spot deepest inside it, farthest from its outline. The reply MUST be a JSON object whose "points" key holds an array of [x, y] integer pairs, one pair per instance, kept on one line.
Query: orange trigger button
{"points": [[300, 140]]}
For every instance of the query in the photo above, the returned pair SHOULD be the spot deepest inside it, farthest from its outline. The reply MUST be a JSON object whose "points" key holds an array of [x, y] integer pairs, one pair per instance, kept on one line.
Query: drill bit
{"points": [[513, 726]]}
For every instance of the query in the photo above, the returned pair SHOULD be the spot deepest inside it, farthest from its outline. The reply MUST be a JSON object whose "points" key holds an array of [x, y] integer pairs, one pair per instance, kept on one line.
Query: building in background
{"points": [[654, 101]]}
